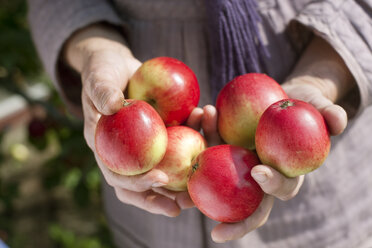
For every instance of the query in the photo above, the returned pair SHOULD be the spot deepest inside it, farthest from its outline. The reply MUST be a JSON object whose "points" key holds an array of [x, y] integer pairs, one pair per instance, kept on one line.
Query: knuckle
{"points": [[148, 200], [121, 196], [109, 177], [289, 194], [105, 98], [86, 133], [88, 139], [137, 184], [94, 80], [287, 197], [90, 80], [263, 221], [109, 181], [284, 188], [277, 187], [139, 187]]}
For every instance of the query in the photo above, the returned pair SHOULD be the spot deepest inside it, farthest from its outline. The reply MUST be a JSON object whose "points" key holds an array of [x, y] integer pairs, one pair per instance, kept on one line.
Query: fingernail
{"points": [[260, 177], [218, 239], [158, 184]]}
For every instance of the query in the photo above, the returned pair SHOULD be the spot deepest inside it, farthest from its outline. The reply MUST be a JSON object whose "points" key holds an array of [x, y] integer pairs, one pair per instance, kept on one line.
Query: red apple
{"points": [[240, 105], [221, 185], [169, 86], [184, 145], [292, 137], [133, 140]]}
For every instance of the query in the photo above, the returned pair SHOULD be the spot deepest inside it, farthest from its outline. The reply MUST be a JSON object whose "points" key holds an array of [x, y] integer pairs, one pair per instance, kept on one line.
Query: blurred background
{"points": [[49, 182]]}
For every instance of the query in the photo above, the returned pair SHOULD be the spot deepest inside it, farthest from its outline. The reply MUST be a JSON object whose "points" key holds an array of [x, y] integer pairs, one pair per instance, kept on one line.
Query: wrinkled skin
{"points": [[105, 64]]}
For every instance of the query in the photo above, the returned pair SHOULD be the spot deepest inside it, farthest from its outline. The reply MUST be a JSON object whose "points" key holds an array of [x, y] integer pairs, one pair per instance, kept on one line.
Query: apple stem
{"points": [[126, 103], [195, 167], [285, 104]]}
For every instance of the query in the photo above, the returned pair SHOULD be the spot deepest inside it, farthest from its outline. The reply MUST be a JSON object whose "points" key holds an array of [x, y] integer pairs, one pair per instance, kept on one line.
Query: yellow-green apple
{"points": [[184, 145], [240, 105], [169, 86], [292, 137], [133, 140], [221, 185]]}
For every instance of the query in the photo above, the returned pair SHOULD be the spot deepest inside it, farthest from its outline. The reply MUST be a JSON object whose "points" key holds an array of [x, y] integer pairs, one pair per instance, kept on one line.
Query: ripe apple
{"points": [[169, 86], [221, 185], [240, 105], [292, 137], [133, 140], [184, 145]]}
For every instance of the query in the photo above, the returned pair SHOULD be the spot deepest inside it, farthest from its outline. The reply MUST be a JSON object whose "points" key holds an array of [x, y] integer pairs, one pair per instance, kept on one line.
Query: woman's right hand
{"points": [[106, 64]]}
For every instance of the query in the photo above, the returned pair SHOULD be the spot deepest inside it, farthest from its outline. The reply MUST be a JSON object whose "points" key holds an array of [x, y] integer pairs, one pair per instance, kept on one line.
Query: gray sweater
{"points": [[333, 208]]}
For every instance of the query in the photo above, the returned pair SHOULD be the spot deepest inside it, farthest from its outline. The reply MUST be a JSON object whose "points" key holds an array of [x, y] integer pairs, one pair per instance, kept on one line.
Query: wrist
{"points": [[320, 66], [324, 85], [91, 40]]}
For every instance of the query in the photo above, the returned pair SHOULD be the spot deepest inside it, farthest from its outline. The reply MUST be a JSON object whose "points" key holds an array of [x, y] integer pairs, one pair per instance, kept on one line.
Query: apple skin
{"points": [[169, 86], [133, 140], [184, 145], [221, 185], [292, 137], [240, 105]]}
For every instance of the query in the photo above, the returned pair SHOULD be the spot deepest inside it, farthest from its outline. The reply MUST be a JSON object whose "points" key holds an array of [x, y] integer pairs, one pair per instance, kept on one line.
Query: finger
{"points": [[230, 231], [106, 97], [91, 117], [182, 198], [209, 125], [149, 201], [105, 77], [334, 115], [336, 118], [138, 183], [274, 183], [132, 65], [194, 120], [165, 192]]}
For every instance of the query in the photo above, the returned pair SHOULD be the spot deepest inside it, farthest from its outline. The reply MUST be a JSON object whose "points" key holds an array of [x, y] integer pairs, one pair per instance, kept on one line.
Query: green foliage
{"points": [[66, 239], [55, 188], [17, 51]]}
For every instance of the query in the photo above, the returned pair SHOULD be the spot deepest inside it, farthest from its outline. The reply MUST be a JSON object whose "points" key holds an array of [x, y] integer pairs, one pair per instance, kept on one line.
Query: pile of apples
{"points": [[256, 119]]}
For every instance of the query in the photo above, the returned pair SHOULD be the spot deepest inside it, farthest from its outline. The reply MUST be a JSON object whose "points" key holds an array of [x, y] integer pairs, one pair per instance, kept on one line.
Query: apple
{"points": [[133, 140], [240, 105], [292, 137], [169, 86], [220, 183], [184, 145]]}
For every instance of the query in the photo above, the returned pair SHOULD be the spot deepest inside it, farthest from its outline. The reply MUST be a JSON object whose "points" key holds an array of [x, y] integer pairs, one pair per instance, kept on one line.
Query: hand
{"points": [[320, 78], [271, 181], [305, 89], [309, 89], [106, 65]]}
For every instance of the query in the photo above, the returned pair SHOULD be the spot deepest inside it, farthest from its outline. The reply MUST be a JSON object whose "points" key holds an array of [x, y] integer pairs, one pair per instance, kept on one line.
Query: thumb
{"points": [[274, 183], [334, 115], [105, 77], [107, 99], [104, 91]]}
